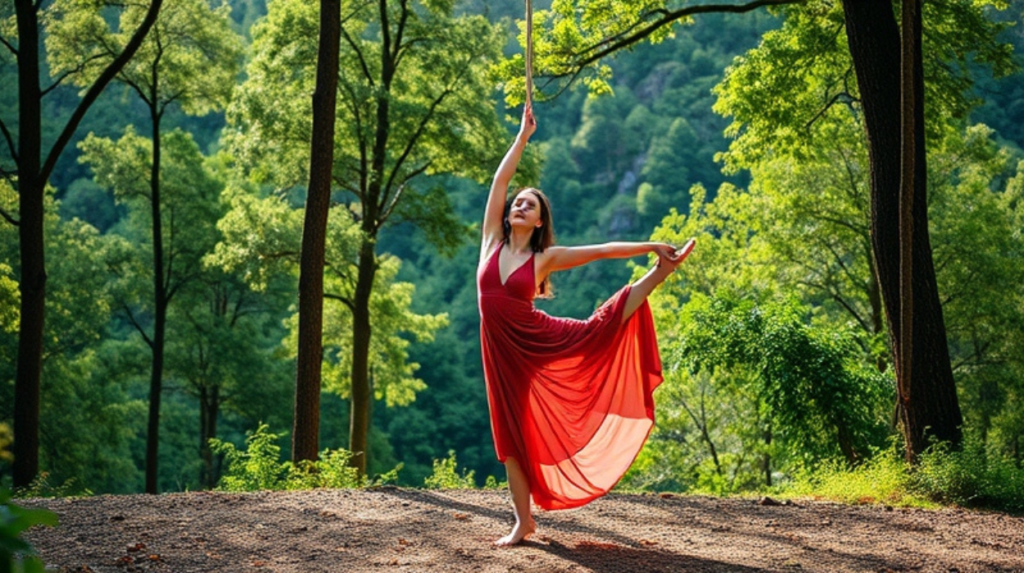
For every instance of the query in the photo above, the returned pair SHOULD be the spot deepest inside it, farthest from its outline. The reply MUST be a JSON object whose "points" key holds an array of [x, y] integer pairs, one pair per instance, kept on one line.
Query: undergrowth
{"points": [[259, 467], [971, 477]]}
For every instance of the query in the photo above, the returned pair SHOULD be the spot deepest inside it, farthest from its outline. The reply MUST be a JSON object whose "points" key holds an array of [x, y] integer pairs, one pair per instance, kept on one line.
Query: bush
{"points": [[16, 554], [971, 477], [256, 468], [446, 475], [259, 467]]}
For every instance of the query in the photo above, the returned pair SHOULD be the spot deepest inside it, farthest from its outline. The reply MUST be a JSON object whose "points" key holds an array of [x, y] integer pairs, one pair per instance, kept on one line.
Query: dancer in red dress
{"points": [[570, 400]]}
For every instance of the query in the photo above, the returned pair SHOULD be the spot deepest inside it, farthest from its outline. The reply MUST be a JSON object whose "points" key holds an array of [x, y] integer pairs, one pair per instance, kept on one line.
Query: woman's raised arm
{"points": [[499, 186]]}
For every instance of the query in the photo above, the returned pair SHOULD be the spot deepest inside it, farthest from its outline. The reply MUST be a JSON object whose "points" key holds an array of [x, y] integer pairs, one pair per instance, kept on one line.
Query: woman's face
{"points": [[525, 210]]}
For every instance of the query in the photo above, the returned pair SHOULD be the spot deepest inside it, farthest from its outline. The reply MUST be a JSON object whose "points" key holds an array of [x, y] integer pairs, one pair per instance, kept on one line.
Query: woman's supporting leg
{"points": [[519, 487], [642, 288]]}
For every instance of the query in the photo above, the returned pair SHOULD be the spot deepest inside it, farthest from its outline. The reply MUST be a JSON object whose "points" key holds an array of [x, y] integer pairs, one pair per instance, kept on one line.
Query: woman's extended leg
{"points": [[642, 288], [519, 487]]}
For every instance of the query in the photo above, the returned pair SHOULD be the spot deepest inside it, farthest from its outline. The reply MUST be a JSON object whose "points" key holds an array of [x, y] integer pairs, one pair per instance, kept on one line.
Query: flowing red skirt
{"points": [[570, 400]]}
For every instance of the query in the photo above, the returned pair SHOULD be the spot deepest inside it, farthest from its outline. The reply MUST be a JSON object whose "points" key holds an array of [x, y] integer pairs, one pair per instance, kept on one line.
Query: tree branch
{"points": [[625, 39], [344, 300], [10, 219], [398, 194], [131, 318], [77, 69], [97, 87], [359, 54], [400, 32], [9, 46], [10, 142]]}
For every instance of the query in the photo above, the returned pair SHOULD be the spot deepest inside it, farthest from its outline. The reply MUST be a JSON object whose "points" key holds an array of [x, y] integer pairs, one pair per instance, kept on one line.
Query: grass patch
{"points": [[971, 477]]}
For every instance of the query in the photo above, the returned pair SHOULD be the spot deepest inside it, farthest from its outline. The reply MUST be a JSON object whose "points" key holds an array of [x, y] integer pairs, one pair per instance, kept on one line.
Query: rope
{"points": [[529, 52]]}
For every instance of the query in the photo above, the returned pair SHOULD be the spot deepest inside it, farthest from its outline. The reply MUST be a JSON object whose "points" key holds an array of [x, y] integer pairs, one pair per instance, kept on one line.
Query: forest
{"points": [[171, 225]]}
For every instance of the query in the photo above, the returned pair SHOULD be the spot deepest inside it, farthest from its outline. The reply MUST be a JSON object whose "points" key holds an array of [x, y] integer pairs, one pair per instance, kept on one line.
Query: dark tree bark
{"points": [[161, 300], [33, 174], [928, 405], [306, 423]]}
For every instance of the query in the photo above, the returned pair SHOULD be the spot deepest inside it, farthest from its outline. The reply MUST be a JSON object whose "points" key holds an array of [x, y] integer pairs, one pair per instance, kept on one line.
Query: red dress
{"points": [[570, 399]]}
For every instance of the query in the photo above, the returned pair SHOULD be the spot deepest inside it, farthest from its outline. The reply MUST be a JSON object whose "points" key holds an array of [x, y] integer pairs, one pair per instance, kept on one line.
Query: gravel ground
{"points": [[395, 529]]}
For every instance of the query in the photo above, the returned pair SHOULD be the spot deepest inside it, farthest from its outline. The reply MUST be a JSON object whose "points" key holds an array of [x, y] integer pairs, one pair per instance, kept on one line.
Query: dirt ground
{"points": [[395, 529]]}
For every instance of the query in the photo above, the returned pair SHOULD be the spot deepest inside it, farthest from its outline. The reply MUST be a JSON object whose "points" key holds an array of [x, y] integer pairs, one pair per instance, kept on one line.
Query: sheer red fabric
{"points": [[570, 400]]}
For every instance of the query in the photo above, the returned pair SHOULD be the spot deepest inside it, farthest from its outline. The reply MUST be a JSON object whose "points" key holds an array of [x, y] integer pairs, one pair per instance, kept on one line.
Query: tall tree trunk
{"points": [[32, 176], [929, 408], [306, 422], [160, 304], [359, 419], [31, 186]]}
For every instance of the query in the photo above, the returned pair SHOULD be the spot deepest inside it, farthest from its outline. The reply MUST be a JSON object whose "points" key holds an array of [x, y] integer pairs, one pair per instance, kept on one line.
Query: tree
{"points": [[224, 347], [190, 59], [928, 405], [188, 213], [306, 422], [415, 104], [26, 169], [261, 241], [873, 39]]}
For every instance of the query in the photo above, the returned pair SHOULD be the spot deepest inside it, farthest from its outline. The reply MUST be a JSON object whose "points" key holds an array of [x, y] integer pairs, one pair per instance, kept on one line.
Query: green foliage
{"points": [[42, 486], [811, 380], [190, 57], [971, 477], [16, 555], [492, 483], [261, 241], [259, 467], [446, 475], [883, 478], [802, 74]]}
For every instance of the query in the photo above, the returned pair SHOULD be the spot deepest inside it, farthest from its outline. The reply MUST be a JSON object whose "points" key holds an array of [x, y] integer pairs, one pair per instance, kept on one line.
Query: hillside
{"points": [[394, 529]]}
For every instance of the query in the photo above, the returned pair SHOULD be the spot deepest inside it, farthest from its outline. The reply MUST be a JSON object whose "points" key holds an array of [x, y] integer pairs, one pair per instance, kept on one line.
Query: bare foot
{"points": [[519, 533]]}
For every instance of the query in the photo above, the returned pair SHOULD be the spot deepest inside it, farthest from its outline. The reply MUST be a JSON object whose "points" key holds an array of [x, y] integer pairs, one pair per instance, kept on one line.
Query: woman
{"points": [[570, 400]]}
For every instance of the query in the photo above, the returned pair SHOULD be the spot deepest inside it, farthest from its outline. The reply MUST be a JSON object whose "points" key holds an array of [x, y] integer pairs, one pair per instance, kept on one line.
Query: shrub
{"points": [[259, 467], [971, 477], [16, 554], [446, 476]]}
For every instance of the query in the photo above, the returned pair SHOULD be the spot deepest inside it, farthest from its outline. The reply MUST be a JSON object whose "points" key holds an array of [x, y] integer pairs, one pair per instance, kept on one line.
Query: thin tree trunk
{"points": [[911, 107], [306, 422], [359, 419], [32, 176], [160, 304], [931, 409]]}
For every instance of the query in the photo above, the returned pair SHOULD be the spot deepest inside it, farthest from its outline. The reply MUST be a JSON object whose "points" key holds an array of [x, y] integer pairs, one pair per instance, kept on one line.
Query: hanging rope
{"points": [[529, 52]]}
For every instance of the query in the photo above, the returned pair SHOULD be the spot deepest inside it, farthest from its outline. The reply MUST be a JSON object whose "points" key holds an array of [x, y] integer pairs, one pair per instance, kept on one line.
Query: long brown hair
{"points": [[541, 238]]}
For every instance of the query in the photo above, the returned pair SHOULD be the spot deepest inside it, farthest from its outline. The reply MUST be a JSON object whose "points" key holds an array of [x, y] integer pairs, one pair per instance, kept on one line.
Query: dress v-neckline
{"points": [[515, 270]]}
